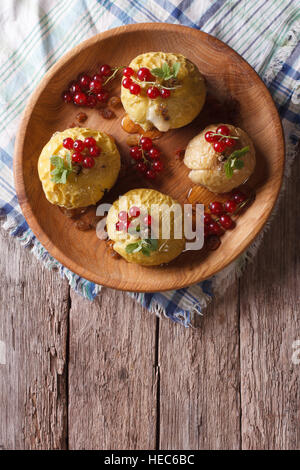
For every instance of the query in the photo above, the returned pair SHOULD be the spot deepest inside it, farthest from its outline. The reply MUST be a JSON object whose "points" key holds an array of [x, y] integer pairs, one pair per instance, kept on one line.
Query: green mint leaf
{"points": [[233, 162], [131, 247], [139, 248], [228, 169], [175, 69], [56, 161], [69, 161], [61, 169], [145, 251], [165, 72], [152, 244], [157, 72], [63, 178], [56, 172], [145, 246], [238, 164], [240, 153], [166, 69]]}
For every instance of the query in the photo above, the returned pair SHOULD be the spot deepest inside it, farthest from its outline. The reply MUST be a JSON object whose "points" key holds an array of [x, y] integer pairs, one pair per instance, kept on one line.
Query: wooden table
{"points": [[109, 375]]}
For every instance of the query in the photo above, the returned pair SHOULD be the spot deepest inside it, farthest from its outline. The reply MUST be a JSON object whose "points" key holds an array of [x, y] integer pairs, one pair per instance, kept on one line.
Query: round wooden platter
{"points": [[235, 95]]}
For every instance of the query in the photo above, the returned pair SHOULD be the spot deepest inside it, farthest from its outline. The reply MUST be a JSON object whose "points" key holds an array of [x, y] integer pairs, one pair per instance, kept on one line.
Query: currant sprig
{"points": [[89, 91], [221, 136], [114, 71], [223, 213], [223, 140], [144, 77], [82, 155], [147, 158], [158, 85], [125, 223]]}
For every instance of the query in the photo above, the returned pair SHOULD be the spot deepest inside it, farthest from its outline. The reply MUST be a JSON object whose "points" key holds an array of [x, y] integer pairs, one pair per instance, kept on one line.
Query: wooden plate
{"points": [[236, 94]]}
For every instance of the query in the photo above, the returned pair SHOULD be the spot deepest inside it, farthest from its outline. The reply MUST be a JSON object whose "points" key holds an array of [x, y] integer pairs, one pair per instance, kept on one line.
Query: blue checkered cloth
{"points": [[35, 34]]}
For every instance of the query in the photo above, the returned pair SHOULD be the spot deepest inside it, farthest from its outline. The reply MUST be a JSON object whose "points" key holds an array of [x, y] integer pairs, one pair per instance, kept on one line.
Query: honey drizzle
{"points": [[131, 128]]}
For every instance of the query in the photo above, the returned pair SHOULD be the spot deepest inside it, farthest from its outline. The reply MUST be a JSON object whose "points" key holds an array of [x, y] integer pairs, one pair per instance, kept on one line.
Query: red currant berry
{"points": [[68, 143], [220, 146], [98, 77], [214, 228], [94, 151], [153, 92], [141, 167], [209, 137], [84, 81], [158, 166], [229, 142], [80, 99], [239, 197], [67, 96], [144, 74], [90, 142], [102, 97], [119, 226], [78, 145], [150, 174], [134, 88], [147, 220], [136, 153], [122, 216], [74, 88], [127, 82], [207, 218], [146, 143], [134, 211], [88, 162], [164, 93], [128, 72], [223, 130], [216, 208], [226, 221], [154, 153], [91, 101], [77, 157], [105, 70], [95, 86], [230, 206]]}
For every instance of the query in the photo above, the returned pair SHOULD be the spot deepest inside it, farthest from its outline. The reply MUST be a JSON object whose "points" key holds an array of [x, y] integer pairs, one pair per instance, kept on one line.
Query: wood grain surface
{"points": [[110, 375], [33, 326], [242, 99]]}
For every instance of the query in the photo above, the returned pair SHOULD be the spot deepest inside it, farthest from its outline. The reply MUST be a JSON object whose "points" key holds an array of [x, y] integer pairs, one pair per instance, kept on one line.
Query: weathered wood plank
{"points": [[270, 323], [112, 376], [33, 327], [200, 380]]}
